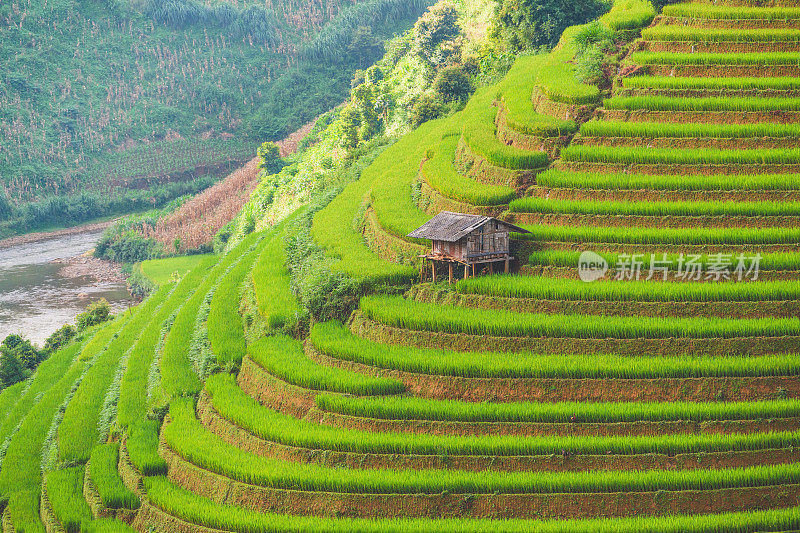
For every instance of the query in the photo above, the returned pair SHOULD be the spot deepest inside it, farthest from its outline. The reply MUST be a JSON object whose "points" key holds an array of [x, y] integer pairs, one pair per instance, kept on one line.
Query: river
{"points": [[35, 299]]}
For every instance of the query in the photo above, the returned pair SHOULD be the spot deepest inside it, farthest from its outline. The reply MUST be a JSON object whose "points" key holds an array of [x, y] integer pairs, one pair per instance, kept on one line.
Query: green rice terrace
{"points": [[663, 397]]}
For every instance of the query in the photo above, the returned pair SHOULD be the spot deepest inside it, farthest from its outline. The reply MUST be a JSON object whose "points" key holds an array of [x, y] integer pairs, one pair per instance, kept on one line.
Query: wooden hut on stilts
{"points": [[462, 239]]}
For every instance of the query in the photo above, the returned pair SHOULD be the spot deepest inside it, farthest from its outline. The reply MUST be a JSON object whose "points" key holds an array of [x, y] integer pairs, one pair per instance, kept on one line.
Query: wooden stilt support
{"points": [[466, 271], [473, 270], [451, 272], [506, 266]]}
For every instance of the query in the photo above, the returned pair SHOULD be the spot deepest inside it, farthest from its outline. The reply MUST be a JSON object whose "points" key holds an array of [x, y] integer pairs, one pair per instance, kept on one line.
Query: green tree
{"points": [[349, 123], [452, 83], [363, 45], [364, 99], [426, 108], [437, 25], [11, 370], [269, 157], [529, 24], [375, 75], [22, 349]]}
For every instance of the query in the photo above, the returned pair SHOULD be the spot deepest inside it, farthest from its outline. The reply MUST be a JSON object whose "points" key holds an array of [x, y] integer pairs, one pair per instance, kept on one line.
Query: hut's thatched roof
{"points": [[450, 227]]}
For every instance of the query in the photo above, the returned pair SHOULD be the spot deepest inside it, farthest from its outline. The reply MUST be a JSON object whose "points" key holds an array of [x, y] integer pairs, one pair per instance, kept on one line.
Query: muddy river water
{"points": [[35, 299]]}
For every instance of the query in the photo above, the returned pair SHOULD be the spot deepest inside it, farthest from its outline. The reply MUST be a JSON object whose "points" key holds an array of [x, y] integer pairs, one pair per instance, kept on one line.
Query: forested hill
{"points": [[115, 98]]}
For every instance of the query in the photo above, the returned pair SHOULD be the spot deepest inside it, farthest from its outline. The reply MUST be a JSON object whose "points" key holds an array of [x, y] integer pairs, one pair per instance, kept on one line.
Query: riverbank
{"points": [[47, 235]]}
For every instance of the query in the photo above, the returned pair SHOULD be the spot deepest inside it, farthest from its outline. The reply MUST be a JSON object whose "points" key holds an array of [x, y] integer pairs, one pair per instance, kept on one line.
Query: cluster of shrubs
{"points": [[437, 40]]}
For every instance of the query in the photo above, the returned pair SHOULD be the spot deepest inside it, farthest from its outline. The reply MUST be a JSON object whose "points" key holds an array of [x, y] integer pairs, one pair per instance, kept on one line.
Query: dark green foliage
{"points": [[433, 29], [452, 84], [170, 67], [70, 210], [96, 313], [333, 43], [270, 157], [5, 206], [529, 24], [363, 45], [254, 21], [349, 123], [59, 338], [426, 108], [23, 350], [364, 99], [11, 370], [375, 74]]}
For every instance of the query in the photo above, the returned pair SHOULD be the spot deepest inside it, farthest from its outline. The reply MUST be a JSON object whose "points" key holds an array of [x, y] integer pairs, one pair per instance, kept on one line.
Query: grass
{"points": [[629, 15], [440, 174], [572, 289], [194, 443], [656, 235], [198, 510], [78, 432], [391, 193], [65, 491], [161, 271], [716, 35], [178, 375], [480, 135], [335, 340], [667, 156], [283, 357], [556, 77], [142, 447], [706, 11], [272, 283], [752, 58], [132, 402], [679, 82], [668, 103], [516, 89], [47, 374], [533, 204], [22, 483], [402, 313], [602, 128], [245, 412], [225, 326], [619, 181], [414, 408], [103, 473], [332, 226], [567, 258], [9, 397]]}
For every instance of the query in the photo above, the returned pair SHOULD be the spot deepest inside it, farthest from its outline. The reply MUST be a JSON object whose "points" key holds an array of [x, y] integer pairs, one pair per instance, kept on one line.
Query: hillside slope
{"points": [[532, 401], [109, 107]]}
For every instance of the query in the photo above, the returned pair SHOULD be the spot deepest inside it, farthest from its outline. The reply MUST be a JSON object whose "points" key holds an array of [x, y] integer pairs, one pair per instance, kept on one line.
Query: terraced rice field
{"points": [[663, 398]]}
